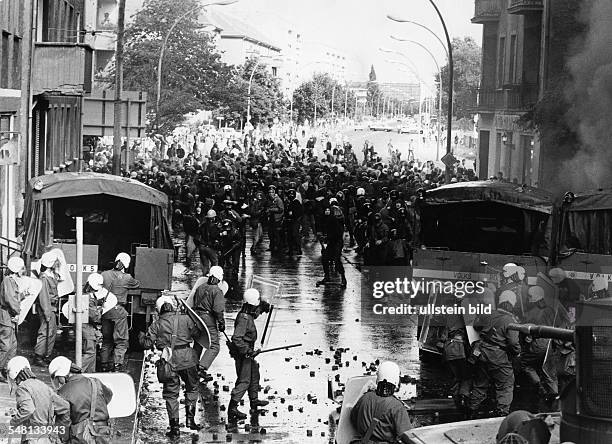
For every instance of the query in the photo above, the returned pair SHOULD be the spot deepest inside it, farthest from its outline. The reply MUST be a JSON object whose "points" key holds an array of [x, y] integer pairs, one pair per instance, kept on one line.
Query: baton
{"points": [[280, 348]]}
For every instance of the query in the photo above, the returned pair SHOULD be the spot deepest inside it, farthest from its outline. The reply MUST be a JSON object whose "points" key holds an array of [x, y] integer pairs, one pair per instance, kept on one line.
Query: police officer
{"points": [[91, 329], [46, 305], [172, 324], [382, 405], [209, 304], [244, 354], [379, 238], [10, 298], [114, 322], [209, 239], [534, 349], [85, 396], [497, 346], [230, 244], [38, 406]]}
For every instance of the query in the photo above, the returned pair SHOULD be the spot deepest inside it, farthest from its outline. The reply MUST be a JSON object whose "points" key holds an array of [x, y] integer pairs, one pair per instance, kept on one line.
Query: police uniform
{"points": [[209, 304], [78, 391], [91, 335], [39, 407], [247, 369], [184, 358], [9, 309], [497, 342], [46, 303], [392, 416], [115, 336]]}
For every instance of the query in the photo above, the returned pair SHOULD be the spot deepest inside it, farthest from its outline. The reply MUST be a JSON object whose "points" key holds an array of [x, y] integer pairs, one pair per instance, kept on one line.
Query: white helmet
{"points": [[508, 269], [15, 264], [15, 365], [600, 283], [251, 297], [557, 275], [48, 259], [59, 366], [536, 293], [340, 169], [95, 281], [388, 371], [227, 188], [164, 300], [508, 296], [360, 192], [216, 271], [124, 258], [211, 214]]}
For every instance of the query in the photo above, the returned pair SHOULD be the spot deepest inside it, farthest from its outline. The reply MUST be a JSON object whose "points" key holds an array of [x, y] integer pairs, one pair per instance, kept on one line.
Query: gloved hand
{"points": [[253, 353], [221, 326]]}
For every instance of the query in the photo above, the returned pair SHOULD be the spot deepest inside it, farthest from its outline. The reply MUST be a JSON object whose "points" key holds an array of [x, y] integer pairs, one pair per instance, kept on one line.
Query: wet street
{"points": [[336, 346]]}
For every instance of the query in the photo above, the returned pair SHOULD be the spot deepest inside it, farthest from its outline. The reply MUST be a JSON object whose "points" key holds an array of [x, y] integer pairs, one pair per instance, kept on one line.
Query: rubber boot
{"points": [[343, 281], [203, 374], [233, 414], [190, 418], [175, 429], [324, 281], [256, 403]]}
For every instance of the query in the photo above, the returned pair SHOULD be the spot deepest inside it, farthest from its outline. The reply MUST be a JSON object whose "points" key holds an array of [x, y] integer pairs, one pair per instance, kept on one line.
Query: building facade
{"points": [[509, 87]]}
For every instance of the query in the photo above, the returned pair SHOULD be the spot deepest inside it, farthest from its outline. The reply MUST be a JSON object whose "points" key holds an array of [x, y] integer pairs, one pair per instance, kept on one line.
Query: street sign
{"points": [[449, 160], [9, 147]]}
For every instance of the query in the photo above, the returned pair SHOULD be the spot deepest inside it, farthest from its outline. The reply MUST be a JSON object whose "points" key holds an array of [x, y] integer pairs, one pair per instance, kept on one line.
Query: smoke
{"points": [[590, 98]]}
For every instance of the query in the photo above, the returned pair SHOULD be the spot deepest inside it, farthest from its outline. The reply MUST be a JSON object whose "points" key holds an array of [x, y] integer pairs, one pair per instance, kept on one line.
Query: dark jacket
{"points": [[9, 301], [77, 391], [389, 410], [493, 329], [209, 298], [245, 333], [118, 283]]}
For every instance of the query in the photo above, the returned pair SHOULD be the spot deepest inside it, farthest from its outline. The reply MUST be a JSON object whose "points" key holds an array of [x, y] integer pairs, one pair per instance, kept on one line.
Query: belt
{"points": [[181, 347]]}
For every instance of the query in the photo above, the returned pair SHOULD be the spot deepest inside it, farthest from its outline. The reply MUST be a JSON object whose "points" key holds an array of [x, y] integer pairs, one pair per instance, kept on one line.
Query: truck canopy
{"points": [[587, 222], [118, 212], [487, 217]]}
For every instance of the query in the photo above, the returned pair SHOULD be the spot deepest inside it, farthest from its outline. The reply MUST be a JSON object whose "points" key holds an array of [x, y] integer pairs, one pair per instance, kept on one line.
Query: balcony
{"points": [[64, 68], [524, 7], [518, 98], [487, 11]]}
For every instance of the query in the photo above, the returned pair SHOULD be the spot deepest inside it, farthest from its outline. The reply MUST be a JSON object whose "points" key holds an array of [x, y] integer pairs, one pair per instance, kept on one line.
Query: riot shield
{"points": [[204, 337], [356, 387], [270, 291], [30, 287], [429, 336], [123, 402]]}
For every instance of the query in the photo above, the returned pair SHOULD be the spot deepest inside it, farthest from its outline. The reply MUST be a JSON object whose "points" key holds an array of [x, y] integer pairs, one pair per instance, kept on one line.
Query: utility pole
{"points": [[118, 90]]}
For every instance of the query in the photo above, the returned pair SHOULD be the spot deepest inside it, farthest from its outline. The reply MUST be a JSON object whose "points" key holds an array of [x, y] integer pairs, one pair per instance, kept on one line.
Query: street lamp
{"points": [[165, 42], [440, 95], [450, 83], [257, 63], [399, 20]]}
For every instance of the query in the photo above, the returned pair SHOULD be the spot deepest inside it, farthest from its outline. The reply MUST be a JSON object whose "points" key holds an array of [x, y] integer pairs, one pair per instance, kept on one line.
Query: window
{"points": [[16, 63], [274, 71], [512, 61], [4, 68], [501, 61]]}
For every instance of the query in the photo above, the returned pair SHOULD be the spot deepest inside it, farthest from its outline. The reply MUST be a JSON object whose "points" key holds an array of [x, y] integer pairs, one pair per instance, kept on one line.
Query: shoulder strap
{"points": [[174, 330], [94, 397]]}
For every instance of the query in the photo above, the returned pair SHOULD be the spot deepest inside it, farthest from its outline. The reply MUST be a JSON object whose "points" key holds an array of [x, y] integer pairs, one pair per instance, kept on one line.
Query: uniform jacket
{"points": [[493, 329], [389, 410], [209, 298], [118, 283], [160, 336], [77, 391], [9, 301], [95, 318], [245, 333], [47, 298], [39, 405]]}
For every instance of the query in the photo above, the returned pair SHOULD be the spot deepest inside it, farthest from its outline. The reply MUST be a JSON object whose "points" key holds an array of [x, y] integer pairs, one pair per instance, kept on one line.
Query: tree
{"points": [[320, 90], [466, 60], [193, 76]]}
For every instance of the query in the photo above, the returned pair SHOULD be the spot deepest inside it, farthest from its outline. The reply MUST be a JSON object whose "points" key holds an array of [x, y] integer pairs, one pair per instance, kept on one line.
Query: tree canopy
{"points": [[467, 61]]}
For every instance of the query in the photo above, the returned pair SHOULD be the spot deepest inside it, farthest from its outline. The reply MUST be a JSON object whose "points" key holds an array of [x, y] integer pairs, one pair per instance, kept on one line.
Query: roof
{"points": [[232, 27], [493, 191], [60, 185], [592, 201]]}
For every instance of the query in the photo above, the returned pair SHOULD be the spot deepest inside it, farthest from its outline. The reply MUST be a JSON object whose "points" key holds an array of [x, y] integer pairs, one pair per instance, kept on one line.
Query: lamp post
{"points": [[450, 82], [257, 63], [399, 20], [162, 51]]}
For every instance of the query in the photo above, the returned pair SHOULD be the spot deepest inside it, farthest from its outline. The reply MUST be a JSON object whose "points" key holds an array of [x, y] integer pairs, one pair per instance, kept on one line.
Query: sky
{"points": [[358, 28]]}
